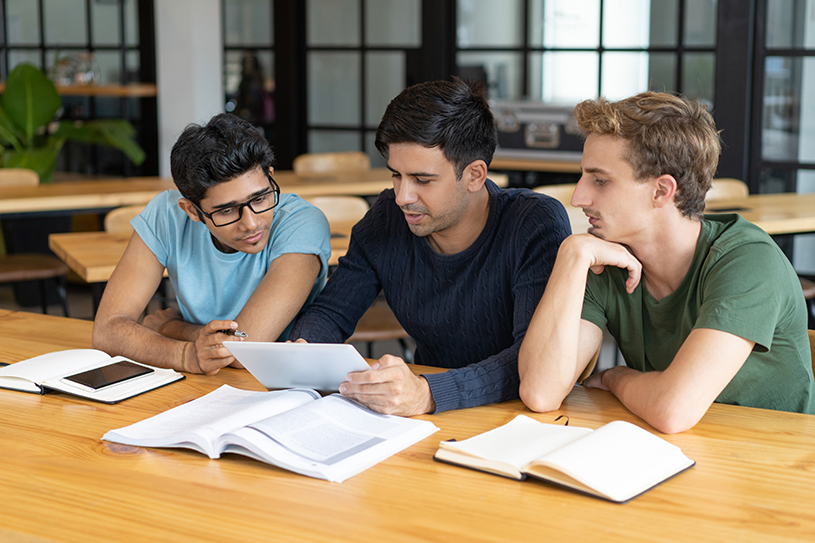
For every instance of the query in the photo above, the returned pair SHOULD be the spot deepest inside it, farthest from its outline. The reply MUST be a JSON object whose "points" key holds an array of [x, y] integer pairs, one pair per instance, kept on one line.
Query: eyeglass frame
{"points": [[275, 189]]}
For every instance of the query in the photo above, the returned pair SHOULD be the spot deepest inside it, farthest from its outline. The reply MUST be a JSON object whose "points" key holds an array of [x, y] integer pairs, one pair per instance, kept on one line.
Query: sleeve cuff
{"points": [[444, 390]]}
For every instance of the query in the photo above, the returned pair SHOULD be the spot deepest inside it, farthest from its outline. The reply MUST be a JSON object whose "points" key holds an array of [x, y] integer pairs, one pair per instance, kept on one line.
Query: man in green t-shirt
{"points": [[703, 308]]}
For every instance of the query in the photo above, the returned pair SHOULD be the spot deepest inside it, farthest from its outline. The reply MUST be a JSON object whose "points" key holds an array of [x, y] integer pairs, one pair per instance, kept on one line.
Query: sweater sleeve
{"points": [[350, 291], [537, 236]]}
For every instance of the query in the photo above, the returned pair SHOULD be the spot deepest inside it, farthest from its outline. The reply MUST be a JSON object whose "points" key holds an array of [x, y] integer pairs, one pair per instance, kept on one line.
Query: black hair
{"points": [[225, 148], [449, 115]]}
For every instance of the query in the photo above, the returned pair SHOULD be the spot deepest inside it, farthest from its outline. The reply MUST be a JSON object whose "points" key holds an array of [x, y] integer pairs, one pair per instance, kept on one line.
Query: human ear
{"points": [[189, 208], [664, 190], [475, 174]]}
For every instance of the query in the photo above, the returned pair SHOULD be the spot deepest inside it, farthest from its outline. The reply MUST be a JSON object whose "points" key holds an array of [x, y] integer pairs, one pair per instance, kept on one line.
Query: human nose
{"points": [[404, 192], [580, 197], [248, 219]]}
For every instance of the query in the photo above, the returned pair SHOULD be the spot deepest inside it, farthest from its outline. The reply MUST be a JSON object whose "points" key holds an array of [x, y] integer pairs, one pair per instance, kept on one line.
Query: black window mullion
{"points": [[362, 71], [41, 21]]}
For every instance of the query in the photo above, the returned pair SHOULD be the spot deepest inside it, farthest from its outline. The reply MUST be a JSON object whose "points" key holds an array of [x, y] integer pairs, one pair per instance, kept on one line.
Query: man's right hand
{"points": [[209, 352], [597, 253]]}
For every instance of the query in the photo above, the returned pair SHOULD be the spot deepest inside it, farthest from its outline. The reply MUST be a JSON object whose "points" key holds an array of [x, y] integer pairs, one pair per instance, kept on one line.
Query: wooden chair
{"points": [[725, 189], [808, 287], [118, 220], [561, 193], [329, 163], [18, 268], [812, 347], [379, 322]]}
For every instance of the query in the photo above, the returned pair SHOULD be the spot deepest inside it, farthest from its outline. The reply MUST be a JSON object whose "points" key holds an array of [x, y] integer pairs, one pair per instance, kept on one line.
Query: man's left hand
{"points": [[390, 387]]}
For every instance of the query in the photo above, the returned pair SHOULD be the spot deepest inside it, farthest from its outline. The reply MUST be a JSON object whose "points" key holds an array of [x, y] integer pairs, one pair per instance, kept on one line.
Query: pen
{"points": [[236, 333]]}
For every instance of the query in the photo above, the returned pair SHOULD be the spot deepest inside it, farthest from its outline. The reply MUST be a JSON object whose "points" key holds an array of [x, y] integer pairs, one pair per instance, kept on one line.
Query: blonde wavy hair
{"points": [[666, 134]]}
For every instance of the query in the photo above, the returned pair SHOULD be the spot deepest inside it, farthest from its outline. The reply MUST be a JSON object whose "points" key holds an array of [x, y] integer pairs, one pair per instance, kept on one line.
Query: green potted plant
{"points": [[30, 138]]}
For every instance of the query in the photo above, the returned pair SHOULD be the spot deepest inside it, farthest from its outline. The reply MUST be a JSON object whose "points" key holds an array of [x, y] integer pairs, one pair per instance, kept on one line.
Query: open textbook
{"points": [[618, 461], [330, 438], [53, 371]]}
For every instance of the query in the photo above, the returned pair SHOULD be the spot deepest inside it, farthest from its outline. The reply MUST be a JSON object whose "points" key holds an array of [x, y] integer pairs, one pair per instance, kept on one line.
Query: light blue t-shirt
{"points": [[212, 285]]}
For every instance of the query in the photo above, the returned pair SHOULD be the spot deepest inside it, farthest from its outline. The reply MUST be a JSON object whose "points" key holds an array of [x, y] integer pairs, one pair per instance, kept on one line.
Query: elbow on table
{"points": [[539, 399], [674, 420]]}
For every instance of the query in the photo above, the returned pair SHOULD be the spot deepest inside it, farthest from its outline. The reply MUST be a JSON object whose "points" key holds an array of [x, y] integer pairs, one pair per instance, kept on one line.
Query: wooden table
{"points": [[753, 481], [94, 255], [788, 213], [535, 165]]}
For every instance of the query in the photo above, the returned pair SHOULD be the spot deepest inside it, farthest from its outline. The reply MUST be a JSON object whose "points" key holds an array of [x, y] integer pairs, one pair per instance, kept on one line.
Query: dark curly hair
{"points": [[223, 149]]}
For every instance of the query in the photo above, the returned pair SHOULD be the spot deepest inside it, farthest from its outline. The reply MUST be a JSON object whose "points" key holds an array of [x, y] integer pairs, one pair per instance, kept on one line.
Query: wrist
{"points": [[430, 403]]}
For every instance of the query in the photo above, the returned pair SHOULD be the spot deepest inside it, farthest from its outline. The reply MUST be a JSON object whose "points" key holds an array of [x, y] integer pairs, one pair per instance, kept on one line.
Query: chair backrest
{"points": [[118, 220], [723, 189], [323, 163], [812, 348], [562, 193], [18, 177], [341, 211]]}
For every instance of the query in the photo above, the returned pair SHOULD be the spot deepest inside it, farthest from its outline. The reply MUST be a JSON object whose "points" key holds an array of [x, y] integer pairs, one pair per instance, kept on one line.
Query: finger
{"points": [[213, 327], [388, 361]]}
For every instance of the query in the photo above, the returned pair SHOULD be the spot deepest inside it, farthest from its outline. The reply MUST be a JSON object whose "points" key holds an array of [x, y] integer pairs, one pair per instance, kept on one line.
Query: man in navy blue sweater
{"points": [[462, 263]]}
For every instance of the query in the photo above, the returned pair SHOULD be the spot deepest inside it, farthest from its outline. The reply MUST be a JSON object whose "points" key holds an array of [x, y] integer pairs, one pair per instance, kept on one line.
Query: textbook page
{"points": [[200, 423], [518, 442], [333, 438], [619, 460]]}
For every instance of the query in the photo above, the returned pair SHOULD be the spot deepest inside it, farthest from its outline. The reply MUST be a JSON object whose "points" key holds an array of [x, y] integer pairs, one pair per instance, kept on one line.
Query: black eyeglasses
{"points": [[259, 204]]}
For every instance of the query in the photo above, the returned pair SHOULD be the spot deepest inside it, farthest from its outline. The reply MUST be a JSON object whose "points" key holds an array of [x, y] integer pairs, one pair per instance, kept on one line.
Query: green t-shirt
{"points": [[739, 282]]}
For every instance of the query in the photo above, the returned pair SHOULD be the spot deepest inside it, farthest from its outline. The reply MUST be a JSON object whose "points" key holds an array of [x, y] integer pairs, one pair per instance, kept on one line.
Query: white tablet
{"points": [[321, 366]]}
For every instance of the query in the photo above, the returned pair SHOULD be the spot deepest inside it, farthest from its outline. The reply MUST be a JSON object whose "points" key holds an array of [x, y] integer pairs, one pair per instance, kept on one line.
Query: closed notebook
{"points": [[617, 462]]}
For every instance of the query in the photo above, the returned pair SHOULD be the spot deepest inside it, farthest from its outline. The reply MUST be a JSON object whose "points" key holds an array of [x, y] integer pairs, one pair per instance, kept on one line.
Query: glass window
{"points": [[18, 56], [624, 74], [790, 24], [131, 12], [487, 23], [503, 70], [105, 23], [663, 18], [384, 79], [698, 74], [662, 72], [23, 23], [626, 23], [333, 88], [377, 160], [65, 22], [332, 22], [700, 22], [569, 78], [564, 23], [248, 22], [787, 120], [393, 22]]}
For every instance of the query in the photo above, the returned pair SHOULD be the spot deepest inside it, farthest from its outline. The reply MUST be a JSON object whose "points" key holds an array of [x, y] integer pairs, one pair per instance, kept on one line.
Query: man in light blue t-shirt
{"points": [[238, 253]]}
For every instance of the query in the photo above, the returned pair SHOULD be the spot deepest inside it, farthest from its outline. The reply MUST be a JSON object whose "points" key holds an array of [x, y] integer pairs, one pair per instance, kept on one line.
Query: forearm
{"points": [[180, 330], [492, 380], [123, 336], [548, 361]]}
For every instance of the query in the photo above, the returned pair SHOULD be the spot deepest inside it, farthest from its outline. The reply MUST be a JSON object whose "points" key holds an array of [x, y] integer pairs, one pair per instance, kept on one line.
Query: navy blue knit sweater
{"points": [[468, 311]]}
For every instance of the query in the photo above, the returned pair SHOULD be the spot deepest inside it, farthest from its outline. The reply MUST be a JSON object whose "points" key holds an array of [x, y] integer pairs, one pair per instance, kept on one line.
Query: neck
{"points": [[464, 233], [667, 256]]}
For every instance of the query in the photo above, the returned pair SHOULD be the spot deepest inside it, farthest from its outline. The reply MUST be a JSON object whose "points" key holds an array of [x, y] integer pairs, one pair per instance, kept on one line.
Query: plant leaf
{"points": [[42, 160], [30, 100], [116, 133], [8, 132]]}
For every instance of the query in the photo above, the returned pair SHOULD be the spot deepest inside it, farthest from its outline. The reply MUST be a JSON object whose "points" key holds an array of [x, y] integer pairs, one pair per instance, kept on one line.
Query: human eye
{"points": [[423, 181], [225, 213], [260, 199]]}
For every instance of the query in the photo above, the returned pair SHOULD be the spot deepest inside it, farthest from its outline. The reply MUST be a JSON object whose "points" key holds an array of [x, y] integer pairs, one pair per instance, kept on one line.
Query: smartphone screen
{"points": [[108, 375]]}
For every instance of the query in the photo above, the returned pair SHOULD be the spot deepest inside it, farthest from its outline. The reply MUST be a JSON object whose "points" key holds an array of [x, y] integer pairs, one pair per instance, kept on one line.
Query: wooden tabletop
{"points": [[535, 165], [753, 481], [94, 255], [787, 213]]}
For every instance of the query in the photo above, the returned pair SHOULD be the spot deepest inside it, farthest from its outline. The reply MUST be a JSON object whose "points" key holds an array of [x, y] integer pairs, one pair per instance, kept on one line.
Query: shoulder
{"points": [[521, 204], [731, 236], [163, 209]]}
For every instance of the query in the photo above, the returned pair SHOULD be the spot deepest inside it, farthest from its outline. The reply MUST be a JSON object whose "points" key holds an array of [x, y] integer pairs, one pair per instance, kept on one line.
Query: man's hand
{"points": [[390, 387], [209, 352], [158, 319], [600, 253]]}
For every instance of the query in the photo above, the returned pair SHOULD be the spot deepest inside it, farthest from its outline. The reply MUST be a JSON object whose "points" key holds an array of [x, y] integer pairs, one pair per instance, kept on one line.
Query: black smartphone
{"points": [[108, 375]]}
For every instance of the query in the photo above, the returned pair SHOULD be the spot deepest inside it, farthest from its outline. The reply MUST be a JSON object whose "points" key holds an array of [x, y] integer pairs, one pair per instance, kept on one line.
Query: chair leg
{"points": [[44, 296], [63, 294], [370, 349]]}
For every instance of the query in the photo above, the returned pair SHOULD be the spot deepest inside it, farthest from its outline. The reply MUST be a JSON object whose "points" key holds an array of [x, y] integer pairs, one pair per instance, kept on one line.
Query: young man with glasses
{"points": [[238, 254]]}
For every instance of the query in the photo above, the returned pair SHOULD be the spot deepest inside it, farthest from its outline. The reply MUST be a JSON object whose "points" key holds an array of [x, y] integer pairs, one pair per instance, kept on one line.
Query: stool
{"points": [[380, 324], [32, 267]]}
